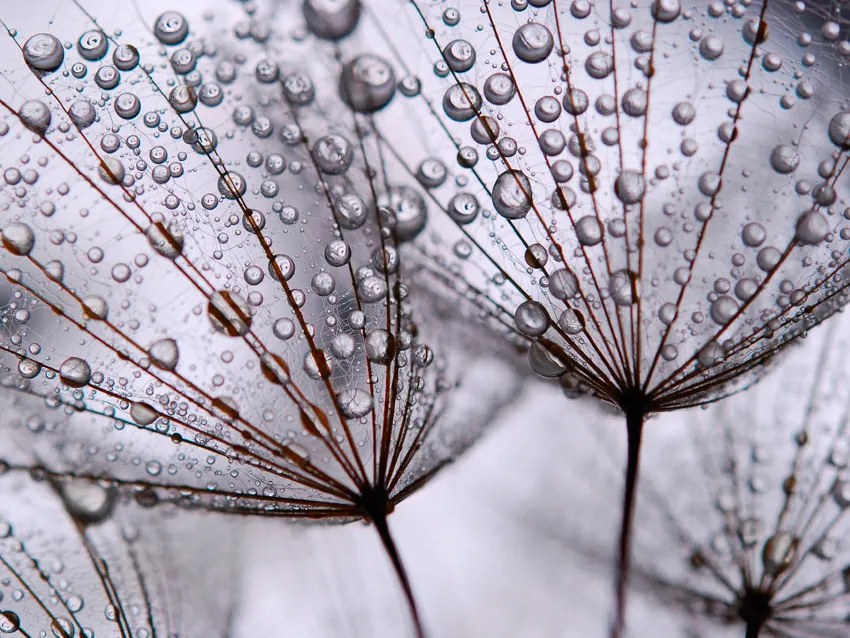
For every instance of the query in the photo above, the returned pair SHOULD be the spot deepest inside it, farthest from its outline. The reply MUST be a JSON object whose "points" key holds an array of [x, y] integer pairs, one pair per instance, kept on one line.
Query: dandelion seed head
{"points": [[203, 297], [684, 162]]}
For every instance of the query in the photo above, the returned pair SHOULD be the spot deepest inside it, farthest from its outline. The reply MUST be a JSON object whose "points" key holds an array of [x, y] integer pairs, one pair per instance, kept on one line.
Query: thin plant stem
{"points": [[383, 530], [754, 626], [635, 415]]}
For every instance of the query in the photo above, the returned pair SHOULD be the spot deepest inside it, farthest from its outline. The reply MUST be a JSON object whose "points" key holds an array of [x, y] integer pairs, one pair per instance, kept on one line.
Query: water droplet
{"points": [[544, 361], [461, 102], [331, 19], [623, 287], [779, 553], [512, 195], [367, 83], [409, 211], [499, 89], [531, 318], [164, 354], [839, 129], [459, 55], [165, 241], [784, 159], [563, 284], [9, 622], [43, 52], [629, 187], [92, 45], [75, 372], [589, 231], [533, 42], [333, 154], [354, 403], [18, 238], [229, 313], [812, 227], [89, 503], [35, 115], [171, 28]]}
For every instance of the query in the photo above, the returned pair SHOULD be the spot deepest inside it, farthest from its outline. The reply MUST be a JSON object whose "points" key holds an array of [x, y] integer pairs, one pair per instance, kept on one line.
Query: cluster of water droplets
{"points": [[655, 190], [73, 567], [765, 542], [200, 248]]}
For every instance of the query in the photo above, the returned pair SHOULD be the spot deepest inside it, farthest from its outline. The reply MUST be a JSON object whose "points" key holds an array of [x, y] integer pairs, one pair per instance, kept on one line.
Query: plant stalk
{"points": [[634, 428], [383, 529], [754, 626]]}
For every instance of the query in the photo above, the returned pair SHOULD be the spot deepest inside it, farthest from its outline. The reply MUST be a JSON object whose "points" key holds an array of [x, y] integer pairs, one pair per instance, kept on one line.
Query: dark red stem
{"points": [[383, 529], [635, 416]]}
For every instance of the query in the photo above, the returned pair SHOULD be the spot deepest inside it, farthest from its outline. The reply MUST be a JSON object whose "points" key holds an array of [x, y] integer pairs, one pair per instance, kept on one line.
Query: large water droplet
{"points": [[331, 19], [229, 313], [533, 42], [512, 195], [18, 238], [354, 403], [75, 372], [43, 52], [367, 83]]}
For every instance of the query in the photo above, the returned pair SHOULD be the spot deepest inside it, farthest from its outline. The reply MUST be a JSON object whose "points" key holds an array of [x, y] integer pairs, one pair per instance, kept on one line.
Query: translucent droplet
{"points": [[165, 241], [409, 211], [337, 253], [723, 310], [531, 318], [89, 503], [563, 284], [812, 227], [372, 289], [779, 553], [629, 187], [92, 45], [164, 354], [229, 313], [623, 287], [544, 361], [9, 622], [839, 129], [589, 231], [499, 89], [171, 28], [75, 372], [431, 173], [367, 83], [571, 321], [95, 307], [143, 414], [82, 113], [35, 115], [461, 102], [350, 211], [512, 195], [127, 106], [28, 368], [380, 346], [533, 42], [18, 238], [43, 52], [784, 159], [331, 19], [459, 55], [333, 154], [354, 403], [463, 208]]}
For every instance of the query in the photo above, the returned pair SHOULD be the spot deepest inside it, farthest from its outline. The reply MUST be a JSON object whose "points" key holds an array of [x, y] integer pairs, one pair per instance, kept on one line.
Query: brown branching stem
{"points": [[379, 520], [635, 415]]}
